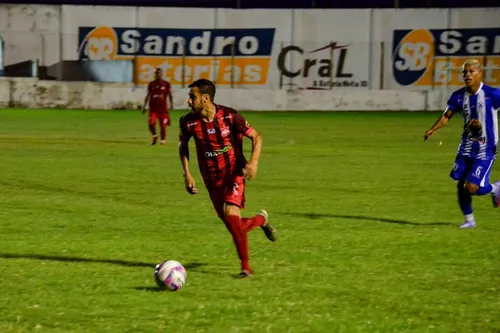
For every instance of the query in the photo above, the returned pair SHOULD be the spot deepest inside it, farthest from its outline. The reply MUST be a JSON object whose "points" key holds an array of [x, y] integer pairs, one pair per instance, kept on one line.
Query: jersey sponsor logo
{"points": [[480, 140], [241, 56], [218, 152], [425, 57]]}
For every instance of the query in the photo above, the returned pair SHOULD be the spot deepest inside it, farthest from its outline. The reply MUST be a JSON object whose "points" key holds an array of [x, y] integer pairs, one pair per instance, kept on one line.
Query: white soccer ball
{"points": [[170, 274]]}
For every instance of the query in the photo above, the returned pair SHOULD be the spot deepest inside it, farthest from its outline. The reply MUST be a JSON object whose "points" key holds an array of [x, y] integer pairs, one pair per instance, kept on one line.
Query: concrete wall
{"points": [[383, 48], [34, 93]]}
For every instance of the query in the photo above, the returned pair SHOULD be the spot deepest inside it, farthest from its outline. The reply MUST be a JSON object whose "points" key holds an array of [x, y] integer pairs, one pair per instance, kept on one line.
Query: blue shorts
{"points": [[472, 170]]}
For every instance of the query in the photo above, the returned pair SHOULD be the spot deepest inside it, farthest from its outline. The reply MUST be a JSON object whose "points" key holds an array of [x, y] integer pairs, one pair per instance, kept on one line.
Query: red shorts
{"points": [[232, 193], [162, 116]]}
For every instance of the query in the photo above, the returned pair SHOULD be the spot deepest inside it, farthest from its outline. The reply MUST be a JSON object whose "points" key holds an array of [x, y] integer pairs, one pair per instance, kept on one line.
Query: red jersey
{"points": [[158, 92], [219, 143]]}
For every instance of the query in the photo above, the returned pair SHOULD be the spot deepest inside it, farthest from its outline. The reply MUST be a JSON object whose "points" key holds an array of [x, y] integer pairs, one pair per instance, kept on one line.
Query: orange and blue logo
{"points": [[241, 56], [433, 57], [100, 43]]}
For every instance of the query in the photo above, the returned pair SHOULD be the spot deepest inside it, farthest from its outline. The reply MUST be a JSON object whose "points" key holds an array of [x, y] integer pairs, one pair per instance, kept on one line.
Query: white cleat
{"points": [[495, 195], [468, 225]]}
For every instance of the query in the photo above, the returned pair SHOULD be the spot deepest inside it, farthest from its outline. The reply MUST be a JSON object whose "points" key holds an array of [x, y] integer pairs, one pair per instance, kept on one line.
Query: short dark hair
{"points": [[205, 87]]}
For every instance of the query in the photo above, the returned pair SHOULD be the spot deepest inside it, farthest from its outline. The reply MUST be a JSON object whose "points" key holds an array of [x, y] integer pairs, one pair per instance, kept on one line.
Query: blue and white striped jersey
{"points": [[481, 142]]}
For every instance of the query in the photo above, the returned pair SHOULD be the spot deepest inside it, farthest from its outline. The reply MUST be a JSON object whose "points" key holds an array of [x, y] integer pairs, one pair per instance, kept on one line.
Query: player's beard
{"points": [[197, 108]]}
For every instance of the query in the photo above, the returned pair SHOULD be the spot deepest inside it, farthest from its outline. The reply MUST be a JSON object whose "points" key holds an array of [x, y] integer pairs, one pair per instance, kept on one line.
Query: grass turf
{"points": [[365, 210]]}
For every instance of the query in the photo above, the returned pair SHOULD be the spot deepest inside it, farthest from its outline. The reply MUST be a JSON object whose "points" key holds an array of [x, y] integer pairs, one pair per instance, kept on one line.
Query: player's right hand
{"points": [[190, 184], [428, 134]]}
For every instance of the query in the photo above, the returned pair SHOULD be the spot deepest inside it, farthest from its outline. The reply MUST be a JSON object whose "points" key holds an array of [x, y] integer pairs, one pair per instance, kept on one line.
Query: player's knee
{"points": [[230, 209], [471, 188]]}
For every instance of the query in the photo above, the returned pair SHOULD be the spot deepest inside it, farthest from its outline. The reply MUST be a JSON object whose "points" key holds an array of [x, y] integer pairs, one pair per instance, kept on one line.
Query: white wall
{"points": [[33, 93], [30, 32], [50, 34]]}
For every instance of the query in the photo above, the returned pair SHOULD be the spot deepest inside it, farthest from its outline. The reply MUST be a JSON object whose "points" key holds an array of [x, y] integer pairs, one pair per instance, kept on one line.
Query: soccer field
{"points": [[366, 214]]}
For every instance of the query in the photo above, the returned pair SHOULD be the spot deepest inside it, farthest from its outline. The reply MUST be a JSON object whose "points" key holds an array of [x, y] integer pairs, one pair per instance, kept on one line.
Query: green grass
{"points": [[366, 214]]}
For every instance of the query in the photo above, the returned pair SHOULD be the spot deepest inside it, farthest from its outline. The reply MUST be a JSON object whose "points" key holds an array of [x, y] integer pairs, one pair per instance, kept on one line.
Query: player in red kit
{"points": [[218, 132], [158, 91]]}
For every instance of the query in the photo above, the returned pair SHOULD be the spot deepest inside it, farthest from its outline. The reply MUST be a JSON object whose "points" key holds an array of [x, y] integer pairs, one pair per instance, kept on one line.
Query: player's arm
{"points": [[440, 122], [496, 99], [256, 139], [243, 127], [452, 108], [170, 98], [146, 100], [184, 157]]}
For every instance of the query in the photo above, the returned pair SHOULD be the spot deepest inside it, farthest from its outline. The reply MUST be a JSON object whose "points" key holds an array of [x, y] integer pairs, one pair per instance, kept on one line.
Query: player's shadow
{"points": [[71, 191], [150, 289], [189, 266], [315, 216]]}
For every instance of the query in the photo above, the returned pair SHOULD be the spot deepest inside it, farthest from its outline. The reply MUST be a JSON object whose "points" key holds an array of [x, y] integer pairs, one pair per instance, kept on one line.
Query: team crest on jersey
{"points": [[225, 131]]}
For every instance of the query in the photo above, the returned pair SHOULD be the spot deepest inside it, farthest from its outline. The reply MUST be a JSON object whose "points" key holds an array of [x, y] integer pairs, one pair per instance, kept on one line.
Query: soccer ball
{"points": [[170, 274]]}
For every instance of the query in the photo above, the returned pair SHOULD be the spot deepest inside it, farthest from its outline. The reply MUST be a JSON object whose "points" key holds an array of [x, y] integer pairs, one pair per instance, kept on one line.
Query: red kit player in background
{"points": [[218, 133], [158, 91]]}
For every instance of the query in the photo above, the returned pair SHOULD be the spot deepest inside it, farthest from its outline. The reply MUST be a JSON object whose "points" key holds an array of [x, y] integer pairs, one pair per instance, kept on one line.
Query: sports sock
{"points": [[234, 225], [464, 200], [469, 217], [163, 132], [152, 129], [250, 223]]}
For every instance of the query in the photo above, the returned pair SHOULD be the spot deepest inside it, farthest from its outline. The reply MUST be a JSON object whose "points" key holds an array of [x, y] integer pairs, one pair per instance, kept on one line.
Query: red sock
{"points": [[163, 132], [234, 225], [152, 129], [252, 222]]}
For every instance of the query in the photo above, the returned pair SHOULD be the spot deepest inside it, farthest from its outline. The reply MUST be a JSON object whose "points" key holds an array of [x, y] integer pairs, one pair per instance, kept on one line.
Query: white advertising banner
{"points": [[416, 49]]}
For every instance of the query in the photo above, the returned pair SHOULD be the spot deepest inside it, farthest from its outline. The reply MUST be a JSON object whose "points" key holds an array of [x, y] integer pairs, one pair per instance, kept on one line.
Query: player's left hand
{"points": [[250, 170]]}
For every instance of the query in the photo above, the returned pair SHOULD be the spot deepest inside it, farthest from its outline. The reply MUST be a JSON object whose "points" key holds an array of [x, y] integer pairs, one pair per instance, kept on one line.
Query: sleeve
{"points": [[453, 104], [169, 88], [241, 125], [496, 98], [184, 133], [149, 87]]}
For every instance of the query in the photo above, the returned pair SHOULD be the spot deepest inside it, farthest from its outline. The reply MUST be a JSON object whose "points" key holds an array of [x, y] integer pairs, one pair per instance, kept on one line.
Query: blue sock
{"points": [[464, 199], [485, 190]]}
